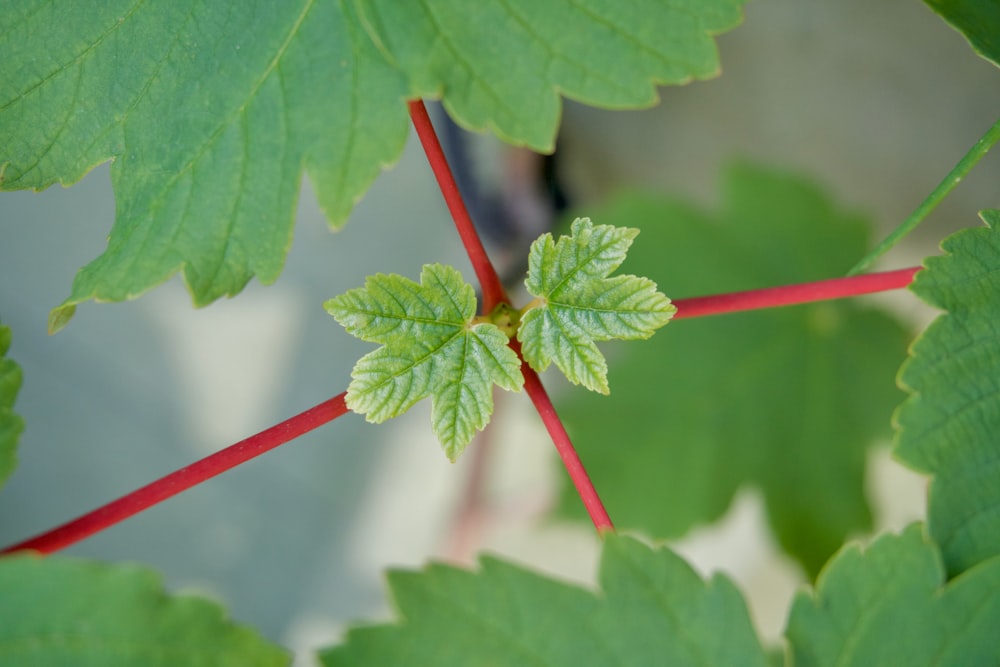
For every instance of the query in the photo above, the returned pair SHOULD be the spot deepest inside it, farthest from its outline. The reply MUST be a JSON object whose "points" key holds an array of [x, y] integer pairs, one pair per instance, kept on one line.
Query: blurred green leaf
{"points": [[890, 604], [60, 611], [11, 424], [578, 304], [950, 424], [653, 610], [787, 400], [977, 20], [501, 66]]}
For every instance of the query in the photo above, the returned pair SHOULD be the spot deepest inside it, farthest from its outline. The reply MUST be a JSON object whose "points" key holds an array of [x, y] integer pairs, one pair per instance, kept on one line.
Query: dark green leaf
{"points": [[11, 423], [653, 610], [889, 604], [950, 425], [59, 611], [787, 399], [977, 20]]}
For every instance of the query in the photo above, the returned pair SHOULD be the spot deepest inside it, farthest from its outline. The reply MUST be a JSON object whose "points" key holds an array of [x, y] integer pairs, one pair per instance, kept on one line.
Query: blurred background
{"points": [[875, 101]]}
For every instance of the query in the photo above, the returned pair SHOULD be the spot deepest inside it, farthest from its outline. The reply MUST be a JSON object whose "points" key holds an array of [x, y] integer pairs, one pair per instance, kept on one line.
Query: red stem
{"points": [[786, 295], [489, 281], [183, 479], [571, 460]]}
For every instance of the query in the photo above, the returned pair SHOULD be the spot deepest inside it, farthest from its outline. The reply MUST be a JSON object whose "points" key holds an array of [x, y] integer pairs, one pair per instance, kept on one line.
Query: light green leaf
{"points": [[11, 424], [653, 609], [431, 347], [949, 425], [579, 304], [61, 611], [502, 65], [976, 20], [890, 604], [787, 400], [210, 113]]}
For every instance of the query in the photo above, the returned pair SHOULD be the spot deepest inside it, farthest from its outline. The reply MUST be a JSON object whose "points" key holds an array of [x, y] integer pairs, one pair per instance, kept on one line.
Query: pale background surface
{"points": [[875, 100]]}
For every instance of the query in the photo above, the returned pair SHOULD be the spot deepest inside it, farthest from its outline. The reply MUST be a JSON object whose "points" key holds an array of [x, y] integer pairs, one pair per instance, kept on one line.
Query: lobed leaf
{"points": [[11, 424], [787, 400], [891, 604], [579, 304], [653, 609], [501, 66], [62, 611], [430, 347], [948, 425]]}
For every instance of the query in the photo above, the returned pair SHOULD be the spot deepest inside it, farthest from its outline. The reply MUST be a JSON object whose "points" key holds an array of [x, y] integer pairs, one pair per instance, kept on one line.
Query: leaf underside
{"points": [[11, 424], [787, 400], [430, 347], [653, 610], [580, 304], [949, 425], [211, 112], [889, 604], [61, 611]]}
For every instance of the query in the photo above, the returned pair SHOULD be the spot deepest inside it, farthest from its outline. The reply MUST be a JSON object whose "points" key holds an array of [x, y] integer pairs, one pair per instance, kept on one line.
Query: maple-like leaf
{"points": [[653, 609], [578, 304], [431, 346]]}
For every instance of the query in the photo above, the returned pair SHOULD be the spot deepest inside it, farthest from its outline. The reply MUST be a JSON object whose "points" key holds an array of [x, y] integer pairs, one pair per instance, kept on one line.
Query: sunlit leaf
{"points": [[430, 347], [579, 304]]}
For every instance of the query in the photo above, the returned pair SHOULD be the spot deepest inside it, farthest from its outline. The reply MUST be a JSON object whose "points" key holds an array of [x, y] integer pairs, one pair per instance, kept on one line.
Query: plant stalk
{"points": [[953, 178], [143, 498]]}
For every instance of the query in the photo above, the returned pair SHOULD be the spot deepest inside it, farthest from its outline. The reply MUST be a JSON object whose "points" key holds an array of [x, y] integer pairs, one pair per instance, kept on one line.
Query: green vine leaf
{"points": [[11, 424], [211, 114], [948, 425], [431, 346], [786, 400], [653, 609], [578, 304], [891, 604], [62, 611], [501, 66]]}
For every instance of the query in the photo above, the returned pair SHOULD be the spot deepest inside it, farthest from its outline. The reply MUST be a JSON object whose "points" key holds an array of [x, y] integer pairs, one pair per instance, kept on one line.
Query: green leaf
{"points": [[61, 611], [578, 304], [502, 65], [431, 346], [210, 113], [977, 21], [889, 604], [948, 425], [787, 400], [11, 424], [653, 610]]}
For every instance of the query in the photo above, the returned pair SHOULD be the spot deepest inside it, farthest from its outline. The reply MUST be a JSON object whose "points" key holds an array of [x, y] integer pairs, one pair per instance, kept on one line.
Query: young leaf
{"points": [[62, 611], [431, 346], [653, 610], [579, 304], [787, 400], [948, 426], [891, 604], [502, 65], [11, 424], [977, 21]]}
